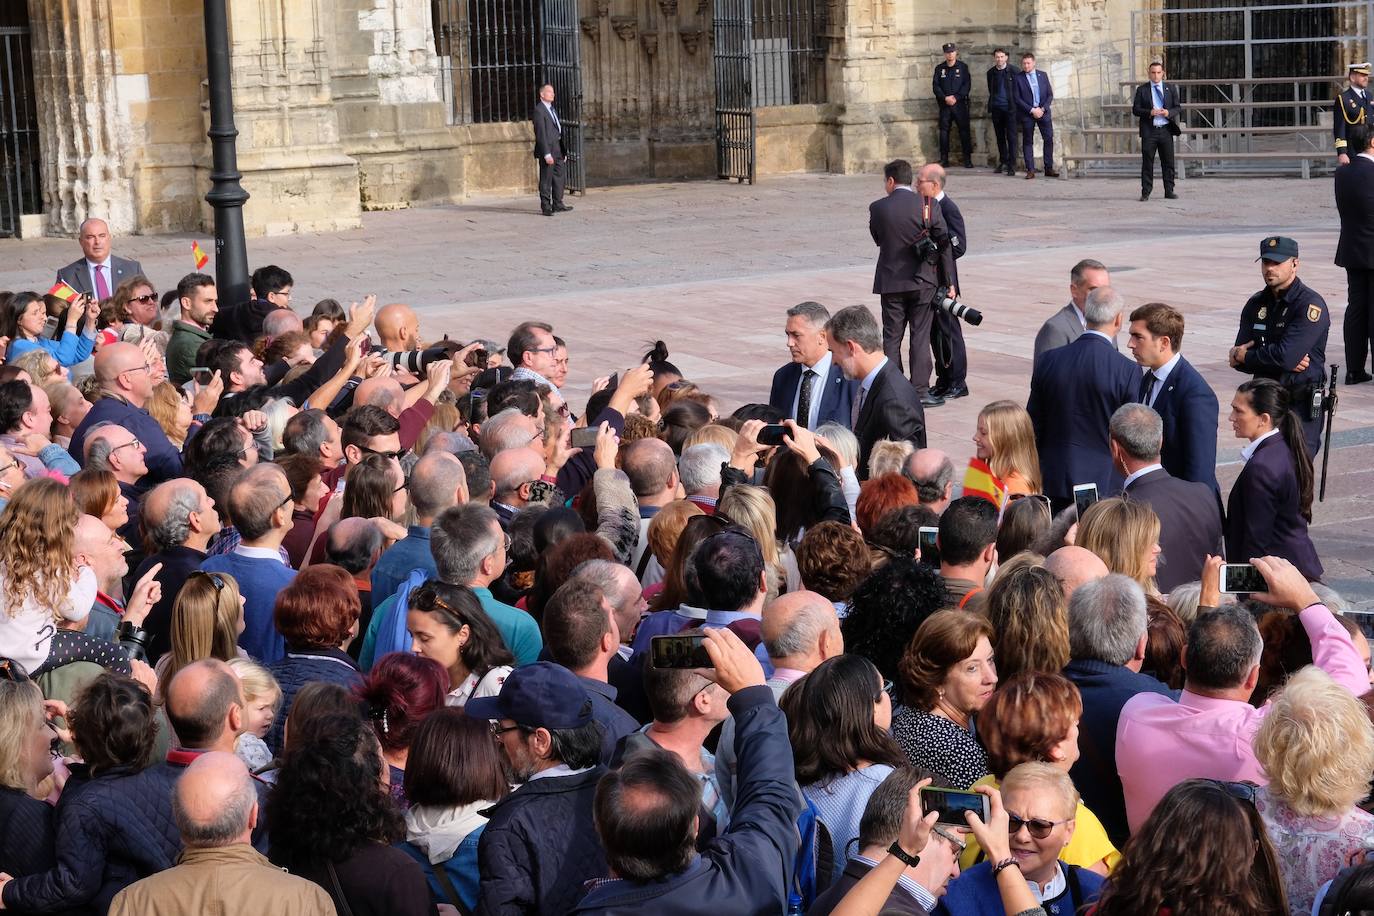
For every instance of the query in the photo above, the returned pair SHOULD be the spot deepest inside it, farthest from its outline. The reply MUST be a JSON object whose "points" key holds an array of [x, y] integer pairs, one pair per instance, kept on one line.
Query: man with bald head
{"points": [[932, 473], [94, 545], [97, 273], [179, 519], [436, 482], [125, 378], [217, 809], [652, 468], [398, 329], [514, 473], [1107, 638], [1073, 566]]}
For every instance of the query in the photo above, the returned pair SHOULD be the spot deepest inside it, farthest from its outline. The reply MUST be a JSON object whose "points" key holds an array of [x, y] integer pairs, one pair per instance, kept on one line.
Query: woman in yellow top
{"points": [[1033, 716], [1005, 443]]}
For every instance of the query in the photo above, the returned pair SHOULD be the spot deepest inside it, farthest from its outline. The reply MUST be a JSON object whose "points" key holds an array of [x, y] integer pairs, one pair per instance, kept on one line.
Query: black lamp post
{"points": [[226, 195]]}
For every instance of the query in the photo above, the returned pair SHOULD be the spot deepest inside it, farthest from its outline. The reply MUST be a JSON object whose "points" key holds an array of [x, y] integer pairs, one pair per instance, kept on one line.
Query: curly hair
{"points": [[37, 537], [886, 610], [112, 724], [1030, 615], [832, 560], [329, 800], [1200, 851], [944, 640], [163, 405], [318, 608]]}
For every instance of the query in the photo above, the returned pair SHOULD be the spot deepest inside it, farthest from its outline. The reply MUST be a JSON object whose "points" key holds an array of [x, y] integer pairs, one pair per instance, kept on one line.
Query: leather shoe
{"points": [[929, 399], [1011, 171], [1030, 174], [1144, 196], [951, 392], [1170, 195], [562, 209], [1357, 378], [1051, 173], [547, 212]]}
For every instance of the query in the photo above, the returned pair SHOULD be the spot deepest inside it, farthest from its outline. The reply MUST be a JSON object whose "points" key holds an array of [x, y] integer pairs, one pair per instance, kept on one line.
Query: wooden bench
{"points": [[1197, 156]]}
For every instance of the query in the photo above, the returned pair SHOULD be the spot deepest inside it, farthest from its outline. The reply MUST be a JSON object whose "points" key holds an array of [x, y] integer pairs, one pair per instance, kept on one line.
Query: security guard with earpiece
{"points": [[1353, 106]]}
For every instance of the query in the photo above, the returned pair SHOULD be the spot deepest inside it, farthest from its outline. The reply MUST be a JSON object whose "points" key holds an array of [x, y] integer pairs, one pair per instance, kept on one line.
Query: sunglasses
{"points": [[1247, 792], [394, 455], [1038, 827], [146, 298], [497, 730], [12, 671], [214, 580]]}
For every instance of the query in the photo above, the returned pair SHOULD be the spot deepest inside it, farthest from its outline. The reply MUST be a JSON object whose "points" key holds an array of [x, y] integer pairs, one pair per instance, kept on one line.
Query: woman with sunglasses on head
{"points": [[25, 318], [1203, 849], [1040, 804], [447, 623], [207, 619]]}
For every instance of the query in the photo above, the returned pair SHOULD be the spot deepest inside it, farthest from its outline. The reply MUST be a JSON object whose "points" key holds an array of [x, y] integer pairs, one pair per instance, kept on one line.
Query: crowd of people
{"points": [[331, 614]]}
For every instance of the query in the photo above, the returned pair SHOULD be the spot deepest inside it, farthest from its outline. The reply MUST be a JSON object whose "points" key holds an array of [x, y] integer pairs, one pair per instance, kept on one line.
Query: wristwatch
{"points": [[897, 850]]}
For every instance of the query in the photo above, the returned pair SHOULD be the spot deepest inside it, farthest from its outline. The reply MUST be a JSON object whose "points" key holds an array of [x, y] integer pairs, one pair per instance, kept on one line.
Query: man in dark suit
{"points": [[1189, 512], [908, 281], [1355, 250], [1184, 401], [1353, 106], [1067, 325], [886, 406], [947, 337], [1156, 105], [1002, 110], [97, 273], [1034, 96], [1074, 391], [551, 153], [811, 389]]}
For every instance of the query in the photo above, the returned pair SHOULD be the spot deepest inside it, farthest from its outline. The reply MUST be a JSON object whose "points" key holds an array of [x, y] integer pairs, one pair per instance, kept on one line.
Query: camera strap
{"points": [[925, 210]]}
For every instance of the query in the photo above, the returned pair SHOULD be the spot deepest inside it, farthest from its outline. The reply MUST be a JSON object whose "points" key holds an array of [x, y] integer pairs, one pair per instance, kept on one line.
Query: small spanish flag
{"points": [[980, 481], [199, 254], [62, 290]]}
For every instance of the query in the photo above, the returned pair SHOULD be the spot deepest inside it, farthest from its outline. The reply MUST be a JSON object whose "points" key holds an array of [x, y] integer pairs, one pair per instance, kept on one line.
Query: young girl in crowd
{"points": [[261, 701]]}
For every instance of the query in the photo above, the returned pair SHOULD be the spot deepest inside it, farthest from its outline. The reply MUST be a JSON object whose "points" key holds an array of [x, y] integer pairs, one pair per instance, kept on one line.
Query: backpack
{"points": [[815, 862], [392, 636]]}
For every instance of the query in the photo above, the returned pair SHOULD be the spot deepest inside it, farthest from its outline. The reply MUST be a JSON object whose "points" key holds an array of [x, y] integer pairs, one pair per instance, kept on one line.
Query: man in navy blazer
{"points": [[1354, 188], [1034, 96], [827, 395], [886, 405], [1189, 512], [1177, 392], [1156, 107], [1074, 391]]}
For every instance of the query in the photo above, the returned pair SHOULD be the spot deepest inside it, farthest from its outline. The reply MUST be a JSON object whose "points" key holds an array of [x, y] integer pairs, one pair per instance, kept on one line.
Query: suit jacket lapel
{"points": [[866, 411]]}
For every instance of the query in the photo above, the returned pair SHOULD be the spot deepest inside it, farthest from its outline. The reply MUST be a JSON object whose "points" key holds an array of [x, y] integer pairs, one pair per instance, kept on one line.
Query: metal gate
{"points": [[19, 159], [561, 56], [734, 32]]}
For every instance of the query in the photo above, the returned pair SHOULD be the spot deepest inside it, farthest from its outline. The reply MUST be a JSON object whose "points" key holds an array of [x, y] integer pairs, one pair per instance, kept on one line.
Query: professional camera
{"points": [[925, 247], [416, 361], [959, 310]]}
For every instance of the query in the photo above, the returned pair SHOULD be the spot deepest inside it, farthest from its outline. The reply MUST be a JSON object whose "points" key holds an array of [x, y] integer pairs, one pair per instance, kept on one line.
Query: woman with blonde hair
{"points": [[207, 619], [753, 509], [41, 367], [664, 530], [1124, 533], [714, 434], [1006, 462], [1029, 614], [172, 411], [26, 845], [1317, 748], [97, 493]]}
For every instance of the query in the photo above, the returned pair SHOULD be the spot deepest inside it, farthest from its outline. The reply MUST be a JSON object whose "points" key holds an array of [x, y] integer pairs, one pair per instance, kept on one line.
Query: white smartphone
{"points": [[1084, 495], [1241, 578]]}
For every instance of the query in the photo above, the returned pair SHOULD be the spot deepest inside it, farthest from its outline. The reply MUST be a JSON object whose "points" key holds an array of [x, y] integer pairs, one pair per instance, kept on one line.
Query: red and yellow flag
{"points": [[199, 254], [64, 291], [980, 481]]}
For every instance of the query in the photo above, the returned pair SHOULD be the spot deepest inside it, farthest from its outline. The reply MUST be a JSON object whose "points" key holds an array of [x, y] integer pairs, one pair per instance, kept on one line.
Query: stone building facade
{"points": [[349, 105]]}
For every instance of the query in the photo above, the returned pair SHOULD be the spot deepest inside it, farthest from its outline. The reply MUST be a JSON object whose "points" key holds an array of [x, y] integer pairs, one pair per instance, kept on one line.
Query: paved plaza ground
{"points": [[709, 267]]}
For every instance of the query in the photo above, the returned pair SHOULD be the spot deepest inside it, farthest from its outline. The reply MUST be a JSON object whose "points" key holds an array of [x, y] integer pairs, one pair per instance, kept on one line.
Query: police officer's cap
{"points": [[951, 46], [1362, 67], [1278, 248]]}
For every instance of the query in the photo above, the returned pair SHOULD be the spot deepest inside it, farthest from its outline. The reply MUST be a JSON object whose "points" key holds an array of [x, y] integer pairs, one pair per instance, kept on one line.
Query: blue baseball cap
{"points": [[1277, 248], [542, 695]]}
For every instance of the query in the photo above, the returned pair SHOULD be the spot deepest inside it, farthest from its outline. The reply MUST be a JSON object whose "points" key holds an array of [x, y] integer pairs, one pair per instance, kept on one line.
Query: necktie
{"points": [[556, 123], [804, 399], [858, 406], [1035, 89], [102, 286], [1147, 386]]}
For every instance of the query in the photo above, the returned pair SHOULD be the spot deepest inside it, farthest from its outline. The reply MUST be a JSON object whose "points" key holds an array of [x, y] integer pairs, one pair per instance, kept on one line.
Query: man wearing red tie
{"points": [[97, 273]]}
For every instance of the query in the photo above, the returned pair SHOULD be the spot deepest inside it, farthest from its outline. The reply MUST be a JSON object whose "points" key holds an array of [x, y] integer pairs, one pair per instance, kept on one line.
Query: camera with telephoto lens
{"points": [[416, 361], [959, 310]]}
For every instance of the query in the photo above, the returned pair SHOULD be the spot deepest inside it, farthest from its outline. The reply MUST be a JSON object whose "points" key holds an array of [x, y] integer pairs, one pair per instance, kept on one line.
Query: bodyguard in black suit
{"points": [[1189, 513], [1186, 405], [1002, 110], [908, 281], [811, 389], [947, 337], [1074, 391], [886, 406], [551, 153], [1283, 331], [1156, 105], [1353, 106], [951, 82], [1355, 250]]}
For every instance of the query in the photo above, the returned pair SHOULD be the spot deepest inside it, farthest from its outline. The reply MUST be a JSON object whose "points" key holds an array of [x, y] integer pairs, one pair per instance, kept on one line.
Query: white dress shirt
{"points": [[109, 275], [1141, 473], [1161, 374], [1249, 450]]}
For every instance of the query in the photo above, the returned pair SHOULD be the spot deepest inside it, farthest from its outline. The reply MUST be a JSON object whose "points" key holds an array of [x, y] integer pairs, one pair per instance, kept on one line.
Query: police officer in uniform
{"points": [[1282, 335], [1353, 106], [951, 84]]}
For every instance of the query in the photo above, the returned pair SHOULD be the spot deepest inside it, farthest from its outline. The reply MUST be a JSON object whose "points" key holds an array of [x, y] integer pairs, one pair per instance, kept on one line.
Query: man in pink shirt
{"points": [[1209, 731]]}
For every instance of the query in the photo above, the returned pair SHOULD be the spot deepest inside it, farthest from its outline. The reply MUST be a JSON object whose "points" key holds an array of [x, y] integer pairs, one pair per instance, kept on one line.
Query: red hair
{"points": [[880, 496], [400, 691], [318, 608]]}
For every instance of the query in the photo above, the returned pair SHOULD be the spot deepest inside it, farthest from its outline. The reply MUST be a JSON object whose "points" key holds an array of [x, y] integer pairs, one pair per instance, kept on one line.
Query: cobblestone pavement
{"points": [[709, 267]]}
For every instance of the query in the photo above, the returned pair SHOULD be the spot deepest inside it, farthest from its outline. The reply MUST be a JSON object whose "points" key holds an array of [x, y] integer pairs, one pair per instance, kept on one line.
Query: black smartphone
{"points": [[584, 436], [772, 434], [1084, 495], [202, 375], [952, 803], [928, 540], [678, 652], [1240, 578]]}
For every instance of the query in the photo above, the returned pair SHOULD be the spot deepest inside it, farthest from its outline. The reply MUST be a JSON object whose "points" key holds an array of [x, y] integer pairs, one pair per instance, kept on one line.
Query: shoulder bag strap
{"points": [[450, 891], [344, 908]]}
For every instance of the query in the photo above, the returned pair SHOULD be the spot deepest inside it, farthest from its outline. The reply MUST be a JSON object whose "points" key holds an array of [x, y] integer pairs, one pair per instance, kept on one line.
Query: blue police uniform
{"points": [[953, 79], [1285, 327], [1353, 106]]}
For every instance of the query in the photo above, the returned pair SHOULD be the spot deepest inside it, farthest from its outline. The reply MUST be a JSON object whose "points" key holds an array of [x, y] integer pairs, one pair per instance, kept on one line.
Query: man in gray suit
{"points": [[97, 273], [1067, 325]]}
